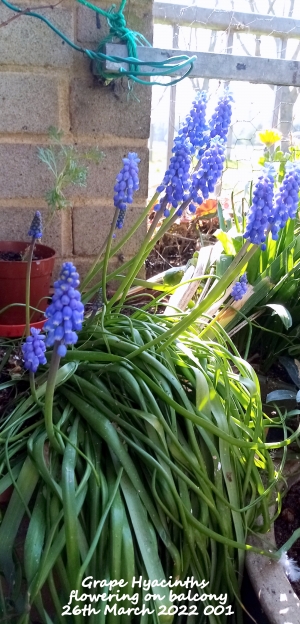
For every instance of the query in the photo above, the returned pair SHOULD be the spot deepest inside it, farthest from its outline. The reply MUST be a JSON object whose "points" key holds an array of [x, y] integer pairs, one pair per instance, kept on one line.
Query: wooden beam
{"points": [[215, 19], [215, 66]]}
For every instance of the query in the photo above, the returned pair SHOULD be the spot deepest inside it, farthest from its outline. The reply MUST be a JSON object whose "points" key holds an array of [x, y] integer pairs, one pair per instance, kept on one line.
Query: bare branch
{"points": [[271, 5], [28, 11], [294, 57], [243, 45], [257, 46], [253, 6], [292, 6]]}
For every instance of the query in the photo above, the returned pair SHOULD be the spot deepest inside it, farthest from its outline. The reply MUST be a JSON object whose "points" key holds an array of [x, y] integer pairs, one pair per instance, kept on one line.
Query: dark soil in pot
{"points": [[287, 523], [13, 256]]}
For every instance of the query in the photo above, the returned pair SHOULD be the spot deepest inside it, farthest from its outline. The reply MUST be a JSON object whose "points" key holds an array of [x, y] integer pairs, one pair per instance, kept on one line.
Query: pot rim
{"points": [[22, 245], [17, 331]]}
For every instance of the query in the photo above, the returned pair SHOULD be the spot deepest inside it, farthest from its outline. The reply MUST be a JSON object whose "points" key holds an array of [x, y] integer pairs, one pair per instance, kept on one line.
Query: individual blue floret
{"points": [[36, 228], [65, 314], [33, 350], [261, 212], [127, 182], [240, 288]]}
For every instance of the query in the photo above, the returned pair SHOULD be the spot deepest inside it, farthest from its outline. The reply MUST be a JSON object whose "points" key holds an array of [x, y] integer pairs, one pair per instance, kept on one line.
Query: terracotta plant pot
{"points": [[13, 283]]}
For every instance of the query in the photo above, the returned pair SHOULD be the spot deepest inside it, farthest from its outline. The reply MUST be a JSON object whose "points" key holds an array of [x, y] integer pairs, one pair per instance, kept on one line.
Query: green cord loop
{"points": [[118, 29]]}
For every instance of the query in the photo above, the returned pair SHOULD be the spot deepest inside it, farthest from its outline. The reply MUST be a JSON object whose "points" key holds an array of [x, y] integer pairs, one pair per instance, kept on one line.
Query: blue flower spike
{"points": [[210, 171], [208, 143], [286, 200], [177, 181], [240, 288], [33, 350], [127, 182], [195, 128], [261, 213], [65, 314], [221, 118], [36, 228]]}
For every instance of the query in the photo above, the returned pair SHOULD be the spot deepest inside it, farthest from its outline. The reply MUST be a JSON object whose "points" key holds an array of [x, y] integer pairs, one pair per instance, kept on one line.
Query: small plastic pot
{"points": [[13, 286]]}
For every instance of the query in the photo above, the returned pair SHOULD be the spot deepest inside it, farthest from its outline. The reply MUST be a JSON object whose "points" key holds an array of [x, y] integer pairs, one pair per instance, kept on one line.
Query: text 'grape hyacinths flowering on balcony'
{"points": [[65, 314]]}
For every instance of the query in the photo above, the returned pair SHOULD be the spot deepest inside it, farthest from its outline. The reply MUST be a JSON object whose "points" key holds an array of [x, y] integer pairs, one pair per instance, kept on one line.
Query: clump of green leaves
{"points": [[67, 166], [292, 155]]}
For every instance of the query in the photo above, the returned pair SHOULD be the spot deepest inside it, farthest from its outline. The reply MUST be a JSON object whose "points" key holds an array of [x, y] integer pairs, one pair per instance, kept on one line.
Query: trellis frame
{"points": [[222, 66]]}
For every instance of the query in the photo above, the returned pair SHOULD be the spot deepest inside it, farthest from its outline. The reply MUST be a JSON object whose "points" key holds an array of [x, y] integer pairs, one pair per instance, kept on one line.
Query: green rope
{"points": [[118, 30]]}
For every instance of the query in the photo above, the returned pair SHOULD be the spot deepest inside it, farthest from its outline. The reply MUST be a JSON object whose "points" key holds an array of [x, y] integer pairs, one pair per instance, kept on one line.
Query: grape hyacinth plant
{"points": [[127, 182], [178, 190], [180, 185], [121, 426], [36, 233], [262, 209], [64, 320], [36, 228], [65, 314], [268, 214], [195, 127], [210, 171], [286, 200], [177, 181], [240, 288], [221, 118], [33, 350]]}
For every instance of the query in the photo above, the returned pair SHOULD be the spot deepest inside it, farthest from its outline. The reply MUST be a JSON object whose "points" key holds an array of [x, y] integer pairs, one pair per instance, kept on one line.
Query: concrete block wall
{"points": [[43, 82]]}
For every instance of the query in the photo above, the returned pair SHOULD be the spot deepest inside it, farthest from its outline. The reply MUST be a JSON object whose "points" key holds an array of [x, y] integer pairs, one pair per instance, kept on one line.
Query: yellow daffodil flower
{"points": [[269, 137]]}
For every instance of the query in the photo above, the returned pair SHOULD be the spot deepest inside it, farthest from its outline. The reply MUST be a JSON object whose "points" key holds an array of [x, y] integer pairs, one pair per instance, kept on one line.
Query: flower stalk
{"points": [[27, 286], [48, 408]]}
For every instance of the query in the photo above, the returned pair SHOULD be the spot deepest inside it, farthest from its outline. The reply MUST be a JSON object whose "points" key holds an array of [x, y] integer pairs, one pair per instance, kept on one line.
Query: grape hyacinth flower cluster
{"points": [[195, 137], [36, 228], [210, 171], [195, 128], [262, 209], [65, 314], [221, 118], [33, 350], [286, 200], [177, 181], [240, 288], [127, 182]]}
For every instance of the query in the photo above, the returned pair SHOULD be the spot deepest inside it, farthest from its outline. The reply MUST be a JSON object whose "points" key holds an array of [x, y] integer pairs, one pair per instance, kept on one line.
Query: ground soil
{"points": [[287, 523], [11, 366], [179, 244]]}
